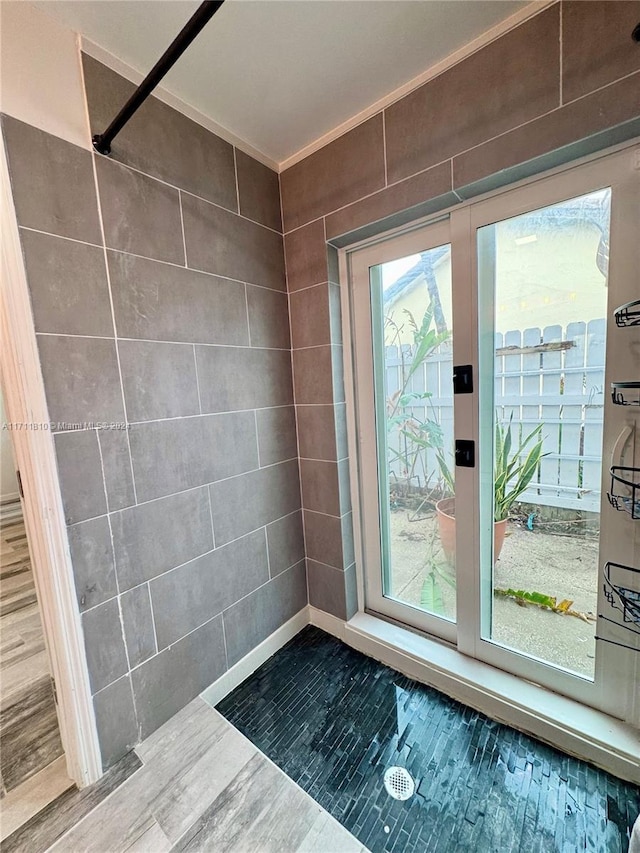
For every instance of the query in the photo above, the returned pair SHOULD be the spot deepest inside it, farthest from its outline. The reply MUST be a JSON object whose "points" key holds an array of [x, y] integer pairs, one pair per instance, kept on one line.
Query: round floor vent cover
{"points": [[399, 783]]}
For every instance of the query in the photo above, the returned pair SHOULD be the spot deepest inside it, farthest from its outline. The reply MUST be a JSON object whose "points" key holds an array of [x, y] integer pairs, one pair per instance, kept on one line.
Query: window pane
{"points": [[545, 273], [411, 300]]}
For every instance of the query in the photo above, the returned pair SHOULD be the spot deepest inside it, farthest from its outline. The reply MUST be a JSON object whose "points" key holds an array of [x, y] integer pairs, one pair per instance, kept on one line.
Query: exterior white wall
{"points": [[40, 73]]}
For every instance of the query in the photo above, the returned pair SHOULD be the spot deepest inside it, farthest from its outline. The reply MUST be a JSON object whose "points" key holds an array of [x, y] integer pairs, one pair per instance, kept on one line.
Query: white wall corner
{"points": [[41, 73]]}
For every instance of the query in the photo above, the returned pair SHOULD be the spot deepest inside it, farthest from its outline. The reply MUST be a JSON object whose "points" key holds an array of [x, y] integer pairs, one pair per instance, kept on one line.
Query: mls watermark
{"points": [[61, 426]]}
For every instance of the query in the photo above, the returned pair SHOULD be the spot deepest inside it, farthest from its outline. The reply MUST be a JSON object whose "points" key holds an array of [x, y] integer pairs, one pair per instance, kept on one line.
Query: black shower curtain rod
{"points": [[206, 11]]}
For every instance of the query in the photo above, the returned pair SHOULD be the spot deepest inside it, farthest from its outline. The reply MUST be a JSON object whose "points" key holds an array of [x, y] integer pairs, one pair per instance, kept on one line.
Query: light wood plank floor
{"points": [[202, 787], [29, 733]]}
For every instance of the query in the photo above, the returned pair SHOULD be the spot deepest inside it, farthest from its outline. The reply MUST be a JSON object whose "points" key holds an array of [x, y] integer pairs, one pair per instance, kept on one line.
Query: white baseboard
{"points": [[331, 624], [256, 657], [565, 724]]}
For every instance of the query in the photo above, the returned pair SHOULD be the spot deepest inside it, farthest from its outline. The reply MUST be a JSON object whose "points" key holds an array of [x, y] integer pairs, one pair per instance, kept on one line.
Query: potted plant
{"points": [[512, 475]]}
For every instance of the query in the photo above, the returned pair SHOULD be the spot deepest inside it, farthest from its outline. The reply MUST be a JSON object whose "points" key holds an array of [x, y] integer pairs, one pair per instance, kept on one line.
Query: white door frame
{"points": [[617, 171], [25, 404], [620, 701]]}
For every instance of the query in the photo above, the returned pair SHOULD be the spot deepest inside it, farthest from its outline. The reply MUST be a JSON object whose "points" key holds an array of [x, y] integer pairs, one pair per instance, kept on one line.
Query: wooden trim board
{"points": [[43, 513]]}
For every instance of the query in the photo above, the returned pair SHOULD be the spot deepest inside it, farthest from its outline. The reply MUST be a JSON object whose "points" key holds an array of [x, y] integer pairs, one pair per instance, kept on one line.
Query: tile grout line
{"points": [[255, 421], [266, 545], [293, 381], [152, 260], [208, 621], [184, 239], [237, 183], [213, 532], [561, 46], [215, 549], [384, 155], [195, 195], [226, 653], [153, 621], [94, 155], [186, 491], [464, 151], [195, 364], [246, 308], [157, 341]]}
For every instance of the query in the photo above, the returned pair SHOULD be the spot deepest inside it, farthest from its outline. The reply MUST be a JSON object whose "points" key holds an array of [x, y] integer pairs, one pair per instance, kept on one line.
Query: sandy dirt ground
{"points": [[563, 566]]}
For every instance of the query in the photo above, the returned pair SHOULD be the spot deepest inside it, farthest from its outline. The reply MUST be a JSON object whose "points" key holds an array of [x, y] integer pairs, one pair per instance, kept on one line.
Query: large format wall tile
{"points": [[160, 302], [253, 618], [171, 456], [140, 214], [245, 503], [276, 435], [137, 621], [317, 432], [413, 197], [167, 682], [268, 318], [310, 323], [161, 141], [320, 486], [597, 47], [314, 372], [116, 466], [285, 539], [159, 380], [343, 171], [68, 284], [159, 535], [80, 475], [506, 83], [106, 655], [81, 380], [118, 344], [93, 562], [116, 720], [323, 538], [185, 598], [259, 191], [563, 135], [241, 249], [232, 379], [306, 253], [327, 589], [52, 182]]}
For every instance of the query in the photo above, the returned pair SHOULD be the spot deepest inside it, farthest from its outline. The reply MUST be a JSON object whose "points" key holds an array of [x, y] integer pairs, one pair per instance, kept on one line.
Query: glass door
{"points": [[404, 311], [483, 514], [549, 264]]}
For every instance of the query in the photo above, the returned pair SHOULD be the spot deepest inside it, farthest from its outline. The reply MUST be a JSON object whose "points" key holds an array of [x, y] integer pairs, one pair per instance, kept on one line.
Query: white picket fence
{"points": [[562, 388]]}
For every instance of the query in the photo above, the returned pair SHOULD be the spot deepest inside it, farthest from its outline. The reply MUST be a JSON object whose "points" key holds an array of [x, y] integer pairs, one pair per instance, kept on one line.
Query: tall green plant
{"points": [[509, 467], [416, 434]]}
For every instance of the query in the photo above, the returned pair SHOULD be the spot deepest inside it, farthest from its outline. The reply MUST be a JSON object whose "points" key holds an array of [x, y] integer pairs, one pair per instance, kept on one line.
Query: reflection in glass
{"points": [[542, 353]]}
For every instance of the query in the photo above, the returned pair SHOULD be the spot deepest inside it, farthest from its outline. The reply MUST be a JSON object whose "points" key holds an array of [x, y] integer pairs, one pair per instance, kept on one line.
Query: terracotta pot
{"points": [[446, 512]]}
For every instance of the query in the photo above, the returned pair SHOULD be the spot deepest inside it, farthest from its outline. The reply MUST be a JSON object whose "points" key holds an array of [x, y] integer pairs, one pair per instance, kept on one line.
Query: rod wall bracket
{"points": [[99, 145]]}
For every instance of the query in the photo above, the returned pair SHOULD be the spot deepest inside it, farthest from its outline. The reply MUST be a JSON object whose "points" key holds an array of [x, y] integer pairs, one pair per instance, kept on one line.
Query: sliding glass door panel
{"points": [[545, 273]]}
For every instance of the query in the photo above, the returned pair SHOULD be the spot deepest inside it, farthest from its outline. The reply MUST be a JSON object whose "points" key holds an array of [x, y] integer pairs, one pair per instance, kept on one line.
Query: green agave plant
{"points": [[512, 474]]}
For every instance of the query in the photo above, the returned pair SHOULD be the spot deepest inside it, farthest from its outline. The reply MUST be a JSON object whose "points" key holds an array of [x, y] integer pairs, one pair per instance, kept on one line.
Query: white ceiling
{"points": [[279, 74]]}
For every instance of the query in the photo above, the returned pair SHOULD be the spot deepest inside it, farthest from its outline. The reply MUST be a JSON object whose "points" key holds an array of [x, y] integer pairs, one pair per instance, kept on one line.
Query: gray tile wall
{"points": [[185, 527], [563, 84]]}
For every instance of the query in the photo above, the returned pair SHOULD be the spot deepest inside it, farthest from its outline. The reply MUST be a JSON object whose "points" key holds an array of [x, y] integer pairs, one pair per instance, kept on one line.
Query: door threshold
{"points": [[563, 723]]}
